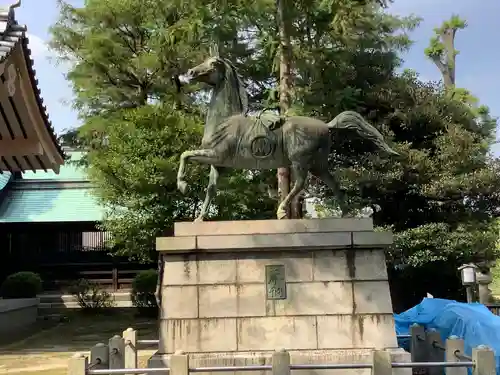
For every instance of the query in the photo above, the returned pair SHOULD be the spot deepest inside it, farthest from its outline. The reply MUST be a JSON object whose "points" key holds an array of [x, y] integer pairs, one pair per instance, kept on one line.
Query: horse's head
{"points": [[211, 71], [223, 77]]}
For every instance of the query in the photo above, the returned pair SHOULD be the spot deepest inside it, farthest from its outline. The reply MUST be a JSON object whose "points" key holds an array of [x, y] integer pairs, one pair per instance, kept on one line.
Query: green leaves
{"points": [[135, 123], [439, 197], [124, 52], [441, 49], [135, 176], [434, 242]]}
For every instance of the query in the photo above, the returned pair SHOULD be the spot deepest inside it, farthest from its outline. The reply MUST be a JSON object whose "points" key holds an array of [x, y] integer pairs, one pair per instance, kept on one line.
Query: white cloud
{"points": [[39, 47]]}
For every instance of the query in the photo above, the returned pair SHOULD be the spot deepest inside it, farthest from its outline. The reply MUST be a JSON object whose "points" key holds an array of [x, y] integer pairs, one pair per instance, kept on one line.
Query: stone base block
{"points": [[360, 356], [330, 332], [308, 286]]}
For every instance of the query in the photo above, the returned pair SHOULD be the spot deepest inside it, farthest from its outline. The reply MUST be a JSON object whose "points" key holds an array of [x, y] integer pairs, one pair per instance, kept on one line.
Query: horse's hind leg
{"points": [[211, 191], [330, 181], [300, 174]]}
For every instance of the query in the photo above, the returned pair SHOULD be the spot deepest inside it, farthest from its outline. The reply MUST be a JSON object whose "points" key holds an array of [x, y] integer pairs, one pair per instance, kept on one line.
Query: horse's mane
{"points": [[236, 85]]}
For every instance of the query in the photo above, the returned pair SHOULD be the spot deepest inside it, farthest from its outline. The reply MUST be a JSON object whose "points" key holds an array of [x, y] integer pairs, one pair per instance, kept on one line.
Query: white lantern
{"points": [[468, 274]]}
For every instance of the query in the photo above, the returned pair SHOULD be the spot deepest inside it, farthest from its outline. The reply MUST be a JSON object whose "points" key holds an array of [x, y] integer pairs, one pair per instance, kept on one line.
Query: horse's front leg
{"points": [[210, 194], [205, 156]]}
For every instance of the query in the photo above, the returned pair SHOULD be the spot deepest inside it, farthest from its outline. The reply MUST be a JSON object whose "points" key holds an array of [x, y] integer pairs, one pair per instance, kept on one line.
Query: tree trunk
{"points": [[285, 87], [448, 38]]}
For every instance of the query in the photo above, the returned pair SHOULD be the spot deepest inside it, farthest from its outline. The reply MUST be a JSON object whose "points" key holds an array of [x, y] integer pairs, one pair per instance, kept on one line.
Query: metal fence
{"points": [[429, 355]]}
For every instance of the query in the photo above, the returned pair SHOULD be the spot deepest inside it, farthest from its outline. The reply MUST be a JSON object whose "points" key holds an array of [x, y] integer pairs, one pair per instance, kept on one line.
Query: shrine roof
{"points": [[49, 197], [5, 179], [27, 138]]}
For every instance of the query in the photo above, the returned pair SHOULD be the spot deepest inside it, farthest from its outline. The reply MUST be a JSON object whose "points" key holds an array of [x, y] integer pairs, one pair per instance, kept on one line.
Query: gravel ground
{"points": [[47, 351]]}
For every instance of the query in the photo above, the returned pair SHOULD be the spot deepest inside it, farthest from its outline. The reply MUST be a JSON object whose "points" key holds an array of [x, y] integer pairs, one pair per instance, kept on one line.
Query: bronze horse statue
{"points": [[232, 138]]}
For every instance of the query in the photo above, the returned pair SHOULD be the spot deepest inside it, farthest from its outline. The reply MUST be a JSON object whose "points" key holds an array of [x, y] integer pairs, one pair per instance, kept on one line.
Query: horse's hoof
{"points": [[199, 219], [281, 214], [182, 186]]}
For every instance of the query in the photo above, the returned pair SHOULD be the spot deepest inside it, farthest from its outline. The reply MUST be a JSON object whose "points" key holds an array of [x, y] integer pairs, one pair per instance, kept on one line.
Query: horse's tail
{"points": [[353, 121]]}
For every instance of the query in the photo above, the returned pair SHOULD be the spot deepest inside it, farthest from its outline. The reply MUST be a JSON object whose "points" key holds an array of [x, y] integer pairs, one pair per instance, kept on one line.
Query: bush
{"points": [[90, 296], [143, 291], [21, 285]]}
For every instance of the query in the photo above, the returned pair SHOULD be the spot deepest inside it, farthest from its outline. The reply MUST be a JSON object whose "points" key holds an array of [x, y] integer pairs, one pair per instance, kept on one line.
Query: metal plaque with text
{"points": [[275, 282]]}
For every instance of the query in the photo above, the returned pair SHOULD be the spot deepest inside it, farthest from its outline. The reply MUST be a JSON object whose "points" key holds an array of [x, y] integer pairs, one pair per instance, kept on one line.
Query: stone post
{"points": [[116, 352], [130, 351], [418, 344], [454, 346], [281, 362], [382, 363], [179, 363], [436, 350], [484, 361], [78, 364], [99, 356]]}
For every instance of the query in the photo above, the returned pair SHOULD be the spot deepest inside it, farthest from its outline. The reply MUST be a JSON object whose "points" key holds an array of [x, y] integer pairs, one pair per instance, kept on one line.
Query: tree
{"points": [[441, 198], [69, 137], [300, 26], [124, 53], [135, 123], [285, 92], [442, 50]]}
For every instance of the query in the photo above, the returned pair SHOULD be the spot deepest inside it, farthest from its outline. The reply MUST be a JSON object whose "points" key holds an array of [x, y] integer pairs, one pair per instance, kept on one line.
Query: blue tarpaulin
{"points": [[472, 322]]}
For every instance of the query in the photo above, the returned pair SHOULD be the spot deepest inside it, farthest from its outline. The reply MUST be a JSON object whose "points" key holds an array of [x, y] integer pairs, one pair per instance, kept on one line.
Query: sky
{"points": [[476, 63]]}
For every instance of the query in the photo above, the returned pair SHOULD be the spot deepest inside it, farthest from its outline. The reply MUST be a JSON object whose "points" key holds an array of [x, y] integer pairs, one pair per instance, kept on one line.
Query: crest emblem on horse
{"points": [[262, 147], [234, 139], [261, 139]]}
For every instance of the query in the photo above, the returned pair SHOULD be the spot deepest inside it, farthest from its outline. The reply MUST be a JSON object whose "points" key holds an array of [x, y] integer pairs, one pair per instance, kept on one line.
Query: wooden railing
{"points": [[111, 276], [114, 279]]}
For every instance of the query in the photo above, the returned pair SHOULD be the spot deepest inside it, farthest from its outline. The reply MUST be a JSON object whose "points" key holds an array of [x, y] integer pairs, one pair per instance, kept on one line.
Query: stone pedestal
{"points": [[232, 292]]}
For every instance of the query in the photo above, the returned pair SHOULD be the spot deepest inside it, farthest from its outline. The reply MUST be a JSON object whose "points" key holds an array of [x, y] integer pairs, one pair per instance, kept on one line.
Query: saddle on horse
{"points": [[270, 120]]}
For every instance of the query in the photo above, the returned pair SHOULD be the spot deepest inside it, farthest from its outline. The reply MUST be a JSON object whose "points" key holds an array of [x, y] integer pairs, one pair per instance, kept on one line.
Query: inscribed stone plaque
{"points": [[275, 282]]}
